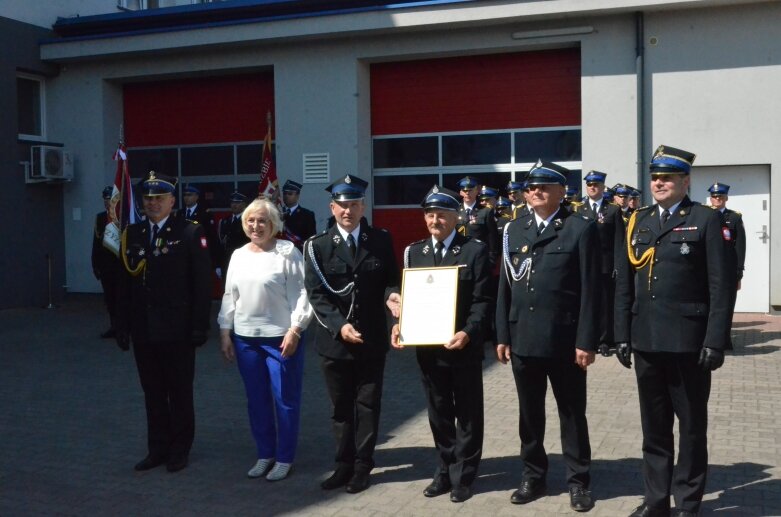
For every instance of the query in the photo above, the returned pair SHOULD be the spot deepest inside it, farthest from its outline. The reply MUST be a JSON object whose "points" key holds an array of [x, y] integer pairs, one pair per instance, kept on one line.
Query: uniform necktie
{"points": [[468, 214], [594, 208], [665, 216], [541, 228], [438, 252], [189, 213], [155, 229], [351, 244]]}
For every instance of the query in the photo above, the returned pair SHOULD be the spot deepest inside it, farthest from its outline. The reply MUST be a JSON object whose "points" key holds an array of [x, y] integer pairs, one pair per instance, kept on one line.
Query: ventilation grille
{"points": [[317, 168]]}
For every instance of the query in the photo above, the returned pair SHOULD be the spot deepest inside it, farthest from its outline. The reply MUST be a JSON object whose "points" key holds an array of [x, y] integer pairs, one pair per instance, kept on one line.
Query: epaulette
{"points": [[576, 203], [643, 208], [736, 212], [421, 241], [318, 235], [711, 207], [613, 203]]}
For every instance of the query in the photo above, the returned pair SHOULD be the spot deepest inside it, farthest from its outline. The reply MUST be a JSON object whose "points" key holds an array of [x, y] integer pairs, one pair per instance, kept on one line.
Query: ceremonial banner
{"points": [[268, 184], [122, 209], [428, 305]]}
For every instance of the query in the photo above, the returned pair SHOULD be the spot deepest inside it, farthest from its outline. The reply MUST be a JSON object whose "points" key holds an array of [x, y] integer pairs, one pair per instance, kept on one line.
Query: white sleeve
{"points": [[298, 302], [231, 294]]}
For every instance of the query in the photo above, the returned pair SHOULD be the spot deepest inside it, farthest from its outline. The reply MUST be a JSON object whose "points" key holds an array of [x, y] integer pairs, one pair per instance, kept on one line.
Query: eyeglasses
{"points": [[717, 196], [592, 184]]}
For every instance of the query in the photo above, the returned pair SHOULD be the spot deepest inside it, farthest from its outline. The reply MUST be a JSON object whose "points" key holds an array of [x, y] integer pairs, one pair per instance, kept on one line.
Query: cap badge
{"points": [[152, 175], [435, 190], [685, 249], [538, 164], [347, 179]]}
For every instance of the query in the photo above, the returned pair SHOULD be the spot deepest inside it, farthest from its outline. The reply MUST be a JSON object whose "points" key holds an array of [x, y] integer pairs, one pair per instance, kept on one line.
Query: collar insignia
{"points": [[524, 249], [426, 249], [364, 237], [337, 239], [456, 250]]}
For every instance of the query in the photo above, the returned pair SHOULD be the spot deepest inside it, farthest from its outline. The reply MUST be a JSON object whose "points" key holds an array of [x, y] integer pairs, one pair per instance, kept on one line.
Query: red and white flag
{"points": [[269, 184]]}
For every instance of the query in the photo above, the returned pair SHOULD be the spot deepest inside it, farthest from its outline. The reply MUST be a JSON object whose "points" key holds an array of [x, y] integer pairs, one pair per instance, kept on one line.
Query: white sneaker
{"points": [[260, 468], [280, 471]]}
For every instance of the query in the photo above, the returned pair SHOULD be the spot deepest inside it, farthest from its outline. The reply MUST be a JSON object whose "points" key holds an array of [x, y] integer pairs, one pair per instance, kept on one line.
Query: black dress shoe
{"points": [[683, 513], [460, 493], [151, 461], [176, 464], [580, 499], [339, 478], [108, 334], [440, 485], [530, 490], [359, 482], [649, 511]]}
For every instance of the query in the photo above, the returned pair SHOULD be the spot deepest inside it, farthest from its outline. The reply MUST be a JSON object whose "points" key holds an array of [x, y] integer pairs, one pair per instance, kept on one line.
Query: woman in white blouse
{"points": [[264, 311]]}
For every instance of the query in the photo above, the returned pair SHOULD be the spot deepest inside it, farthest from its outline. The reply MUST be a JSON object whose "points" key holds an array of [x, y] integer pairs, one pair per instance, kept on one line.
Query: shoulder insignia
{"points": [[738, 213], [643, 208], [576, 203], [421, 241]]}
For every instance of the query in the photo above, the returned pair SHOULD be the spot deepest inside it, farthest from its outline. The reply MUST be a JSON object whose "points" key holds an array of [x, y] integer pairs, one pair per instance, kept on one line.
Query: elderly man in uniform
{"points": [[477, 222], [350, 275], [452, 373], [610, 228], [105, 265], [231, 233], [673, 311], [164, 306], [299, 222], [547, 326]]}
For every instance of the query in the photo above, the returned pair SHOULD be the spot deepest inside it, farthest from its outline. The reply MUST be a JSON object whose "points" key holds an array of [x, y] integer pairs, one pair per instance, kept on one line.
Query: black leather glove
{"points": [[198, 337], [711, 359], [605, 350], [123, 340], [624, 354]]}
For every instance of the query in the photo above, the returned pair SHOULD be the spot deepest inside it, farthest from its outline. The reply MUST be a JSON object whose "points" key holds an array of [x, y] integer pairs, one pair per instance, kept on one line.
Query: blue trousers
{"points": [[273, 385]]}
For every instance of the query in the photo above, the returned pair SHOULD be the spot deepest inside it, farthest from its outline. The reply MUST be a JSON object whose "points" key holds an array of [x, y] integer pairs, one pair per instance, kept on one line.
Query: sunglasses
{"points": [[592, 184], [717, 196]]}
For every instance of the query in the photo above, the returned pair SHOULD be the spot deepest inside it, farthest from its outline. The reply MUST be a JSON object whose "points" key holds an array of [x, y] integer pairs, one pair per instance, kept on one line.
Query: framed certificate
{"points": [[429, 296]]}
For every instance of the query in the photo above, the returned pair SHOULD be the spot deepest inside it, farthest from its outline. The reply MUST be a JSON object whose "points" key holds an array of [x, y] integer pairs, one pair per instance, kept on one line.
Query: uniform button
{"points": [[653, 297], [532, 289], [655, 278], [531, 309], [355, 275], [534, 253], [656, 260], [657, 242], [532, 271]]}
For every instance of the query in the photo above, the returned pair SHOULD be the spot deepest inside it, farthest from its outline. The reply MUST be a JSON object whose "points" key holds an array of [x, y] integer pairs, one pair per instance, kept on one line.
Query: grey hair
{"points": [[270, 208]]}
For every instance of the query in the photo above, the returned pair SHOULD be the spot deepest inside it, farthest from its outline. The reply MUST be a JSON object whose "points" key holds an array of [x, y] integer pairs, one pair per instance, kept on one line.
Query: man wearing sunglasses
{"points": [[477, 222]]}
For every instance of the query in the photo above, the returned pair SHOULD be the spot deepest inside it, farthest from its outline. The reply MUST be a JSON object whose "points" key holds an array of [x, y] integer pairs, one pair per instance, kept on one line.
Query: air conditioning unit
{"points": [[50, 163]]}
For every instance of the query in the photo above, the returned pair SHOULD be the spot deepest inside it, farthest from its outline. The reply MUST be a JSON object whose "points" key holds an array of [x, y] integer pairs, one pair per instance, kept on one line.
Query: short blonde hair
{"points": [[270, 208]]}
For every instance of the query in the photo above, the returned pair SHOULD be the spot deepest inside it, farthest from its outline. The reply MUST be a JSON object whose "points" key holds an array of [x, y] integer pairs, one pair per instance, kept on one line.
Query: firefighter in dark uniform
{"points": [[164, 306], [733, 220], [547, 325], [504, 214], [571, 198], [299, 222], [488, 196], [514, 190], [196, 212], [231, 233], [477, 222], [452, 373], [350, 275], [105, 265], [634, 199], [610, 228], [673, 310]]}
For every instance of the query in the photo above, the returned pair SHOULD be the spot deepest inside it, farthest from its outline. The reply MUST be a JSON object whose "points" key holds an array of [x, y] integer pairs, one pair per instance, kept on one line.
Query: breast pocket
{"points": [[337, 268], [688, 242]]}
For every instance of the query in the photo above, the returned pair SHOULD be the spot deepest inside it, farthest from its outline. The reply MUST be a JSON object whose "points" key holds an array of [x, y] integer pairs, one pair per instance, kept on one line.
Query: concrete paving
{"points": [[72, 427]]}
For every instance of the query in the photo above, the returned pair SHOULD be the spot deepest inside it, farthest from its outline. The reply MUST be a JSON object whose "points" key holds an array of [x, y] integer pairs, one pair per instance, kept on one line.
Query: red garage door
{"points": [[437, 120]]}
